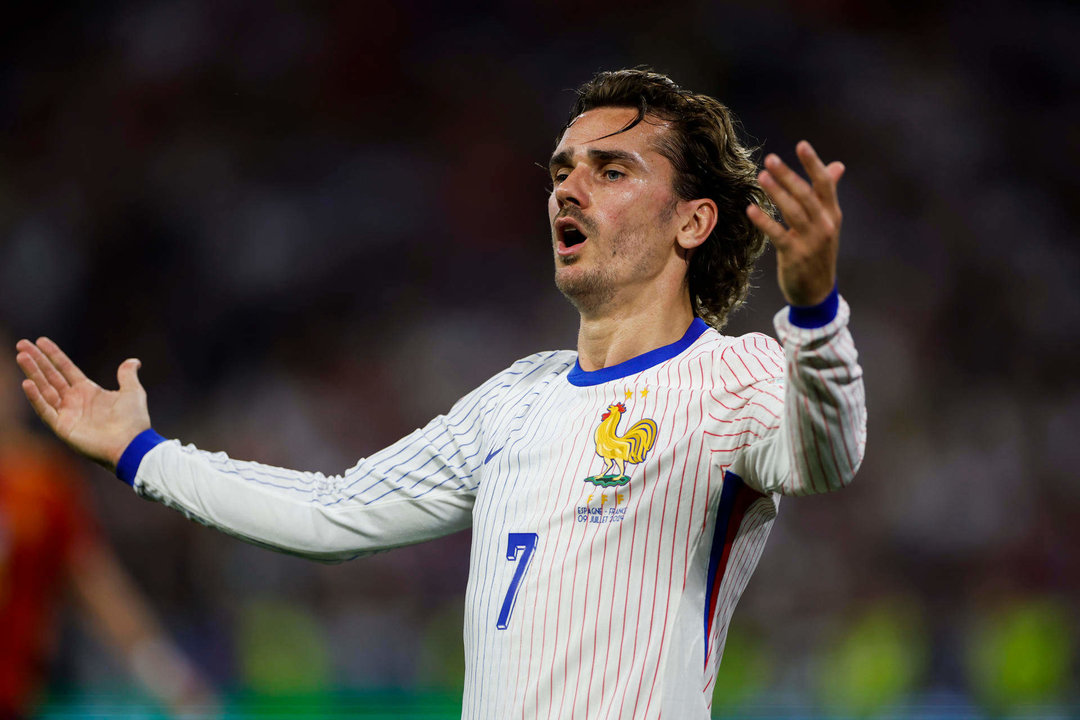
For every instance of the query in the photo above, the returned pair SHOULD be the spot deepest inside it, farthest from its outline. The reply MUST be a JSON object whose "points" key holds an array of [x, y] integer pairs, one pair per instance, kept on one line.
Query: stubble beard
{"points": [[591, 290], [587, 291]]}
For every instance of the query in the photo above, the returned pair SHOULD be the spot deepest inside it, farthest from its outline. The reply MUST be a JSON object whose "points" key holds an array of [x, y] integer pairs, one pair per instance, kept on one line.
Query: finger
{"points": [[68, 369], [44, 410], [790, 208], [808, 156], [823, 180], [32, 370], [766, 224], [48, 370], [836, 170], [128, 375], [794, 184]]}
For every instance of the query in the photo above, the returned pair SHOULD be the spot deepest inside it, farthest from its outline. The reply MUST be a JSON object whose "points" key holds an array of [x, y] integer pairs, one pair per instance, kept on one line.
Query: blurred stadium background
{"points": [[319, 224]]}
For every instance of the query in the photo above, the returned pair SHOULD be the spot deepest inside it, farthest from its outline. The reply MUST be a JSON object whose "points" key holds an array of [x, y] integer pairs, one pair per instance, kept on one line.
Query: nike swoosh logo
{"points": [[492, 454]]}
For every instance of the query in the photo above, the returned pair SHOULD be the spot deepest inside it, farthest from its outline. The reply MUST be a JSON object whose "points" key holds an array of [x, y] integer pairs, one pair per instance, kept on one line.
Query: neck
{"points": [[625, 330]]}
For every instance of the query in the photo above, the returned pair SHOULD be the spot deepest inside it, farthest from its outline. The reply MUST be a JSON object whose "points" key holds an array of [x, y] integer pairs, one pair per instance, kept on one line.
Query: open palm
{"points": [[96, 422]]}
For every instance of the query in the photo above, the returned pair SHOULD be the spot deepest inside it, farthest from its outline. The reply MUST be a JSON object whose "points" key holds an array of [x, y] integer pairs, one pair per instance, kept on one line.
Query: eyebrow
{"points": [[566, 157]]}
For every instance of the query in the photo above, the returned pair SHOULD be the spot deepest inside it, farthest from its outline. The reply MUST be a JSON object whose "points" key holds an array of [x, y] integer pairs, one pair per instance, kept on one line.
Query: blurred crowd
{"points": [[318, 225]]}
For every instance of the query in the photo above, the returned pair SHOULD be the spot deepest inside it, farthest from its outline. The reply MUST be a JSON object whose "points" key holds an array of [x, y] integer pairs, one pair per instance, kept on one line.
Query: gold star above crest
{"points": [[629, 394], [645, 392]]}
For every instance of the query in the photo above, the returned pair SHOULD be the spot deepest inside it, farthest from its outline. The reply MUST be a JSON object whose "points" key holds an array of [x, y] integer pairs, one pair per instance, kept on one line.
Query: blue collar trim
{"points": [[584, 378]]}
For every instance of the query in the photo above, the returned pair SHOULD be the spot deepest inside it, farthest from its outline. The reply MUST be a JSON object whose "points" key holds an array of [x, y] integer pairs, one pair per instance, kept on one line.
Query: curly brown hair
{"points": [[709, 161]]}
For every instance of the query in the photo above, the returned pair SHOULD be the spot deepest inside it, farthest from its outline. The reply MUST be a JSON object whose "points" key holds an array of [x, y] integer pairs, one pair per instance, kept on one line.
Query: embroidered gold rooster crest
{"points": [[618, 450]]}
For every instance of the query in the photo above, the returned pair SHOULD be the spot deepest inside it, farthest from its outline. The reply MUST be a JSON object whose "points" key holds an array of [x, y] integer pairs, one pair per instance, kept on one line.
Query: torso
{"points": [[609, 618]]}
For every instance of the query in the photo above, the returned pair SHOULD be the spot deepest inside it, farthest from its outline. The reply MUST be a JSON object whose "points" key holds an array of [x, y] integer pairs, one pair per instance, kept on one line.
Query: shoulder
{"points": [[545, 361], [530, 370], [538, 366], [744, 360], [527, 375]]}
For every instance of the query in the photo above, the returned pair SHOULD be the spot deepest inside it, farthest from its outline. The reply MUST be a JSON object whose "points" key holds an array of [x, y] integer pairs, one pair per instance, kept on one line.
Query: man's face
{"points": [[612, 208]]}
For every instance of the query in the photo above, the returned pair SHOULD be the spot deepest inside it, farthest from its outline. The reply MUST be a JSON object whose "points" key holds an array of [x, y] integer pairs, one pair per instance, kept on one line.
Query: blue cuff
{"points": [[815, 316], [129, 463]]}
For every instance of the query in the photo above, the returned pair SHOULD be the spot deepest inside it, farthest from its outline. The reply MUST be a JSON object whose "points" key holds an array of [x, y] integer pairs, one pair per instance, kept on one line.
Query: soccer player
{"points": [[620, 495]]}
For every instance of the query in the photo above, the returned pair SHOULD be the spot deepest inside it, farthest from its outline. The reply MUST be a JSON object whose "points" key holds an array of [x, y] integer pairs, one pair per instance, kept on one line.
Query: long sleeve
{"points": [[419, 488], [806, 427]]}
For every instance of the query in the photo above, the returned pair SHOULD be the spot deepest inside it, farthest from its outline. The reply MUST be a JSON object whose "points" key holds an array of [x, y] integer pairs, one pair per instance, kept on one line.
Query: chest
{"points": [[588, 460]]}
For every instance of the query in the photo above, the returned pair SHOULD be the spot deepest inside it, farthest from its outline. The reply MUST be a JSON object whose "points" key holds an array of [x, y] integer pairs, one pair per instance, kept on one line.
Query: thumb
{"points": [[128, 375]]}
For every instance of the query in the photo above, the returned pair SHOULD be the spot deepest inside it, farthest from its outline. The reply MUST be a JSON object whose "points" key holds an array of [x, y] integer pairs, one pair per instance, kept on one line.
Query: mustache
{"points": [[574, 213]]}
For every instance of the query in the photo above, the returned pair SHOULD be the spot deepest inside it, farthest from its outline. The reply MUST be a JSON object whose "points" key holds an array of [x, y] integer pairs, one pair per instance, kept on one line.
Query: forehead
{"points": [[591, 130]]}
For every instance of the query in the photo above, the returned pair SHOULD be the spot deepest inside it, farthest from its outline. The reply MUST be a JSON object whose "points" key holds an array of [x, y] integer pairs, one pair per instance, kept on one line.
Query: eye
{"points": [[613, 175], [559, 176]]}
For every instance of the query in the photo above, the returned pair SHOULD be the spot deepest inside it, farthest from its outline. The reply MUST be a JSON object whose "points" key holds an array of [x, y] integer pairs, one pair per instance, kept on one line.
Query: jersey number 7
{"points": [[526, 543]]}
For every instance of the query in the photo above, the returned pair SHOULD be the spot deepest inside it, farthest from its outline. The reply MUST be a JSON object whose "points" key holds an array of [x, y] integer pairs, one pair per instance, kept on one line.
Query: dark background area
{"points": [[320, 224]]}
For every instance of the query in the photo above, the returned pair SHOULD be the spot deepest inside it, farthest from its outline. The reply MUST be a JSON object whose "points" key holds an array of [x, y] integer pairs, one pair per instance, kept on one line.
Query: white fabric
{"points": [[609, 617]]}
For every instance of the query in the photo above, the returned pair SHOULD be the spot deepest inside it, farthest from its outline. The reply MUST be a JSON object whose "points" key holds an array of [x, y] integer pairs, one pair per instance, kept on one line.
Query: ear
{"points": [[697, 218]]}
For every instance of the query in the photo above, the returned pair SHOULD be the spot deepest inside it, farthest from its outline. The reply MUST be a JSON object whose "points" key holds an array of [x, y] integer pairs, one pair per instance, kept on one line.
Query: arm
{"points": [[808, 426], [817, 428], [419, 488]]}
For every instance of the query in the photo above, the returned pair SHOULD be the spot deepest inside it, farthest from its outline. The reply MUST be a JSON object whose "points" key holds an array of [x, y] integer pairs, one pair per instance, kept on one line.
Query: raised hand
{"points": [[96, 422], [806, 248]]}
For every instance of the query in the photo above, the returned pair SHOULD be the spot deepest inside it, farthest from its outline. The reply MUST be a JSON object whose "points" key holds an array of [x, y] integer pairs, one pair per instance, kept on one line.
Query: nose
{"points": [[573, 189]]}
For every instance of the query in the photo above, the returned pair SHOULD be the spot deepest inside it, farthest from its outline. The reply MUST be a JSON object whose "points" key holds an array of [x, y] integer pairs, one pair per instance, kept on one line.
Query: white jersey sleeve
{"points": [[803, 422], [419, 488], [617, 514]]}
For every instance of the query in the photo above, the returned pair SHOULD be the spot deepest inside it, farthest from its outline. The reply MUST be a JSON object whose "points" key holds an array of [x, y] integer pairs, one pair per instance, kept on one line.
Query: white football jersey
{"points": [[617, 515]]}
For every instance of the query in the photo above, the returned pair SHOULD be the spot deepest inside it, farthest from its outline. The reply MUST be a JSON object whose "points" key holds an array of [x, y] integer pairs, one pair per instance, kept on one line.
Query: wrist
{"points": [[127, 465], [817, 315]]}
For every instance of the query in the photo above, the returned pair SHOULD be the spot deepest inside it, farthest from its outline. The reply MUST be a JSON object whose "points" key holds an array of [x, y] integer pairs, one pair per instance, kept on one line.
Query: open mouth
{"points": [[571, 236]]}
